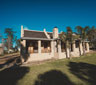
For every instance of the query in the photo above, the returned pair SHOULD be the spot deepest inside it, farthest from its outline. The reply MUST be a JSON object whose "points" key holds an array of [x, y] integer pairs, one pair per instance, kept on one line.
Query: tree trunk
{"points": [[8, 43], [66, 53], [80, 48], [70, 52], [79, 51], [83, 48], [67, 50]]}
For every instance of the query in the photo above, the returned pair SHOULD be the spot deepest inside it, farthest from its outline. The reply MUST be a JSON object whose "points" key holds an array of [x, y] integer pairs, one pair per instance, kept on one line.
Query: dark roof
{"points": [[50, 34], [34, 34]]}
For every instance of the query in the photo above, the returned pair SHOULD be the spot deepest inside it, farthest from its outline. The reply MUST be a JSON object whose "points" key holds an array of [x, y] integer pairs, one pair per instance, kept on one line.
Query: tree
{"points": [[92, 36], [0, 37], [17, 42], [68, 38], [91, 33], [63, 38], [10, 37], [83, 35]]}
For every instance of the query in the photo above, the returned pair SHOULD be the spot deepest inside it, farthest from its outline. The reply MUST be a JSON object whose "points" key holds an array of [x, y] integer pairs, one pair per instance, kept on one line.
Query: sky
{"points": [[40, 14]]}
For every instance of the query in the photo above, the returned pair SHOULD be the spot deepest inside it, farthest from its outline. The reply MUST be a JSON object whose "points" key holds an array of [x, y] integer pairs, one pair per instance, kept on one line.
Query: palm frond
{"points": [[86, 28], [79, 29]]}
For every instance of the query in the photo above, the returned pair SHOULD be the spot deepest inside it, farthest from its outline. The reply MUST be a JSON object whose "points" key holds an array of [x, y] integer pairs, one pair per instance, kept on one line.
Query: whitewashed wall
{"points": [[40, 57], [76, 53], [62, 55]]}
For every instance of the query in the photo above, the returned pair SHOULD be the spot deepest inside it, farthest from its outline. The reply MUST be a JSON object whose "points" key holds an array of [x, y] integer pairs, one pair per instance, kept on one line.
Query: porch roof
{"points": [[30, 38]]}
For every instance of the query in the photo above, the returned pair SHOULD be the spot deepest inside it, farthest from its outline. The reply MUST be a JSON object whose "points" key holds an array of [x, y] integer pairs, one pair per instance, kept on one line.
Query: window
{"points": [[45, 46], [77, 44]]}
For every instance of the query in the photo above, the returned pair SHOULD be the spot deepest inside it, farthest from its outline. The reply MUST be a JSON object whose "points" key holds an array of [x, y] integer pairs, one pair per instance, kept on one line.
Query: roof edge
{"points": [[28, 38]]}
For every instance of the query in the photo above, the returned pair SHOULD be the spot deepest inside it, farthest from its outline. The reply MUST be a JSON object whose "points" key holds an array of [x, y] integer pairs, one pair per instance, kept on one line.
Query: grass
{"points": [[75, 71]]}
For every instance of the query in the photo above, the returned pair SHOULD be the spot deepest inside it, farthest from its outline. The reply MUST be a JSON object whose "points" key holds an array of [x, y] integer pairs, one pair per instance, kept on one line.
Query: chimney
{"points": [[44, 29], [22, 31], [55, 32]]}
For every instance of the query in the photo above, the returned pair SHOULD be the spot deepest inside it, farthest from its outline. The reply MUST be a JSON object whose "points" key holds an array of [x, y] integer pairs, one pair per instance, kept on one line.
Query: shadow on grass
{"points": [[84, 71], [10, 62], [14, 71], [53, 77], [10, 76]]}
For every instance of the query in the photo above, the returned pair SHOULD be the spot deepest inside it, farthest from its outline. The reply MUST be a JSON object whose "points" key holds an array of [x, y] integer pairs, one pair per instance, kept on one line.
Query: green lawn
{"points": [[75, 71]]}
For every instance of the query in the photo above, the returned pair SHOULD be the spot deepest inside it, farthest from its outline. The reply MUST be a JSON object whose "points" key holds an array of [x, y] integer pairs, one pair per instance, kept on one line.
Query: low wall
{"points": [[62, 55], [86, 51], [40, 57], [45, 56], [76, 53]]}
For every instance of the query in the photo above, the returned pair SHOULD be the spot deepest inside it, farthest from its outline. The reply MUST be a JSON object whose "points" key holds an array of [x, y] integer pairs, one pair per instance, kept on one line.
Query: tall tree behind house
{"points": [[10, 38]]}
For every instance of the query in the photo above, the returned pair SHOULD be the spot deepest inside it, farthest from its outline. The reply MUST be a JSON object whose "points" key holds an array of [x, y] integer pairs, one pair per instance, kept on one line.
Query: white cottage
{"points": [[43, 45]]}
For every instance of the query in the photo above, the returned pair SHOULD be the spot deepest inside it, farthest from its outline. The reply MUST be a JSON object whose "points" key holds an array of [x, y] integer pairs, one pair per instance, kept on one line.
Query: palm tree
{"points": [[63, 38], [92, 36], [68, 38], [83, 35]]}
